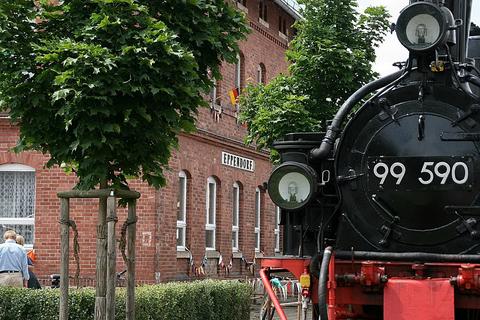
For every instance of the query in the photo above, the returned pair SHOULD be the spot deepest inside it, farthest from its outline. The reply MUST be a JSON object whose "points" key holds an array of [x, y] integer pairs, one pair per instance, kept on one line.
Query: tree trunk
{"points": [[111, 258], [64, 256], [131, 235]]}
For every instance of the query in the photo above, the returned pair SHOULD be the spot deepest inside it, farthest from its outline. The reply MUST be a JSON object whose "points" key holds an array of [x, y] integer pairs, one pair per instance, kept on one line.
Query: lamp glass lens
{"points": [[423, 30], [294, 188]]}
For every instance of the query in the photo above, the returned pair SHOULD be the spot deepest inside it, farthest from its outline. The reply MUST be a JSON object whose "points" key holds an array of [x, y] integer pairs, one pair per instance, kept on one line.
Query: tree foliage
{"points": [[474, 30], [106, 85], [330, 58]]}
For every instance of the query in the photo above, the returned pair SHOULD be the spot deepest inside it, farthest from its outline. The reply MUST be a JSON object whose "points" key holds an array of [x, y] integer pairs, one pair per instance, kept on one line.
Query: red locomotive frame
{"points": [[353, 284]]}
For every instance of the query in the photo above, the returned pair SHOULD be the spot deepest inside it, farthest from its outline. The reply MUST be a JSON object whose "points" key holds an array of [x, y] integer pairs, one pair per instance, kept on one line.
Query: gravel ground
{"points": [[290, 312]]}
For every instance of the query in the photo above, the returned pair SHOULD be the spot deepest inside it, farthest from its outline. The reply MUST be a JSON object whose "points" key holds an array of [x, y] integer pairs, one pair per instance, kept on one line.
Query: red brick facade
{"points": [[199, 156]]}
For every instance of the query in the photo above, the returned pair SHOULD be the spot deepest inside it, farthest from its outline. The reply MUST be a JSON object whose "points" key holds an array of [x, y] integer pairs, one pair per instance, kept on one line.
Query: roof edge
{"points": [[289, 9]]}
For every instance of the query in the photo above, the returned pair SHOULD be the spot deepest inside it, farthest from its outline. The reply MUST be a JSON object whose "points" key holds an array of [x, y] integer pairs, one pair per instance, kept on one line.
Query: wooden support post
{"points": [[64, 256], [131, 235], [111, 258], [101, 272]]}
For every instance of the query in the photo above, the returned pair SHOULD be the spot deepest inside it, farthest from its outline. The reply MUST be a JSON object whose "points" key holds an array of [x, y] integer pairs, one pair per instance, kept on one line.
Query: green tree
{"points": [[474, 30], [330, 58], [106, 85]]}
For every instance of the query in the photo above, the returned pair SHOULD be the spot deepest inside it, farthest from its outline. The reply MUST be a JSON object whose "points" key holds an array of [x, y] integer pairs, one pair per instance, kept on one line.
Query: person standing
{"points": [[33, 282], [13, 262]]}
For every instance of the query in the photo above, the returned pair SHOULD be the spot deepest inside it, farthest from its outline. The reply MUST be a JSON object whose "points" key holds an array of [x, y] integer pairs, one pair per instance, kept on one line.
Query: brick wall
{"points": [[199, 155]]}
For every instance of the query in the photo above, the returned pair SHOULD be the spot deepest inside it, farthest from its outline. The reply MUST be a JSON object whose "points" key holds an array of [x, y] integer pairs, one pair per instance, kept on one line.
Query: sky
{"points": [[391, 50]]}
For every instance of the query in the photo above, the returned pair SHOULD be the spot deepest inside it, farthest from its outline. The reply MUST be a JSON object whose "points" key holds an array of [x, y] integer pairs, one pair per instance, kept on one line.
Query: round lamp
{"points": [[421, 27], [292, 185]]}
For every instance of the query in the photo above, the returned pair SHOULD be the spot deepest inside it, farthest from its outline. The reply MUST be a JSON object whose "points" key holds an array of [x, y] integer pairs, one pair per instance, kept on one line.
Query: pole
{"points": [[64, 256], [111, 258], [131, 235], [101, 261]]}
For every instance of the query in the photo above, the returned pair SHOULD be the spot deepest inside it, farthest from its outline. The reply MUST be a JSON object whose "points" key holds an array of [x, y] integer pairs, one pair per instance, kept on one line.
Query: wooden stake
{"points": [[64, 256], [131, 235], [111, 258], [101, 272]]}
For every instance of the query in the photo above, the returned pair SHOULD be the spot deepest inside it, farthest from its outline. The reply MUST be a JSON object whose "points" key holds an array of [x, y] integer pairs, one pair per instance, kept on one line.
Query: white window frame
{"points": [[277, 229], [182, 224], [213, 94], [17, 167], [209, 225], [235, 214], [258, 208], [259, 74], [238, 73]]}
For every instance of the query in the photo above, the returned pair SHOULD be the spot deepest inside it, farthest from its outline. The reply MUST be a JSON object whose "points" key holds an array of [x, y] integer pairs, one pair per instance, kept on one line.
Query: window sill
{"points": [[259, 255], [264, 23], [237, 255], [241, 7], [212, 254], [282, 35], [183, 254]]}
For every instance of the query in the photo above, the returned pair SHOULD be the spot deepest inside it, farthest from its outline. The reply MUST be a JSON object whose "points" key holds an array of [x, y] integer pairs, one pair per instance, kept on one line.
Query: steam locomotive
{"points": [[381, 212]]}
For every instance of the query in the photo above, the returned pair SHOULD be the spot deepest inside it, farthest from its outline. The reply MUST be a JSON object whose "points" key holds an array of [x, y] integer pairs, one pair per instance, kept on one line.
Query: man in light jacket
{"points": [[13, 262]]}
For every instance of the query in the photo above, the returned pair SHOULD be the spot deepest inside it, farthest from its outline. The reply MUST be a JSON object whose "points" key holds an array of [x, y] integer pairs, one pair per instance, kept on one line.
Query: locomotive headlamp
{"points": [[292, 185], [421, 27]]}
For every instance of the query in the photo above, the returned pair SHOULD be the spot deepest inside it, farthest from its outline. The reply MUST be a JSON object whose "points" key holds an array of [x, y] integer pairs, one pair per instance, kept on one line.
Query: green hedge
{"points": [[209, 300]]}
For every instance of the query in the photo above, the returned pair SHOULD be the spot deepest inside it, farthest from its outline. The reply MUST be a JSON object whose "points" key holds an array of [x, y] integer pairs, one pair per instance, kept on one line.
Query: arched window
{"points": [[261, 73], [182, 211], [258, 209], [211, 212], [235, 216], [239, 72], [17, 200]]}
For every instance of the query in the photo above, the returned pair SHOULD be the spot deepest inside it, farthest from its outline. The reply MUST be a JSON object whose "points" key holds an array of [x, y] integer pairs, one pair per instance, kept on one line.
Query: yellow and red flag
{"points": [[233, 96]]}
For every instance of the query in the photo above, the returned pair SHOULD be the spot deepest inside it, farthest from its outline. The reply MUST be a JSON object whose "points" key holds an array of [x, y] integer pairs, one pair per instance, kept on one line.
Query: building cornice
{"points": [[224, 142]]}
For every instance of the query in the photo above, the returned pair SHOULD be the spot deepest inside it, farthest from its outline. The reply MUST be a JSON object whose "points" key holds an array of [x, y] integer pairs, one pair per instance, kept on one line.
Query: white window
{"points": [[235, 216], [261, 73], [210, 226], [238, 73], [181, 211], [17, 200], [257, 219], [277, 229], [213, 94]]}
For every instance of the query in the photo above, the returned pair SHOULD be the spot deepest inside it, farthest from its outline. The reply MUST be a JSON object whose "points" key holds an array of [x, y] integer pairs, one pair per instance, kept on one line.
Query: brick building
{"points": [[214, 207]]}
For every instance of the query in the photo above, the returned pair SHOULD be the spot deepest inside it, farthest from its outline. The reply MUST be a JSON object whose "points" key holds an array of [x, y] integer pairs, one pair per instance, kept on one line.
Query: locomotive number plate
{"points": [[419, 173]]}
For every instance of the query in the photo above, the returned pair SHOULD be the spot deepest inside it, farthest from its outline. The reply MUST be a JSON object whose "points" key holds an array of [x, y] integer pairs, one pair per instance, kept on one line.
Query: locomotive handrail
{"points": [[473, 79], [407, 256], [325, 148]]}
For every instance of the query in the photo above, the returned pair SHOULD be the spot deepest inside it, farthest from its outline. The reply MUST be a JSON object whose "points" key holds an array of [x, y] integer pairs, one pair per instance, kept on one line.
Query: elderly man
{"points": [[13, 262]]}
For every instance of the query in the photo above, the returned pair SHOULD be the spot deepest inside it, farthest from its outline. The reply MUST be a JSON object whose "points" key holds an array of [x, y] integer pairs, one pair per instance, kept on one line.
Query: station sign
{"points": [[232, 160]]}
